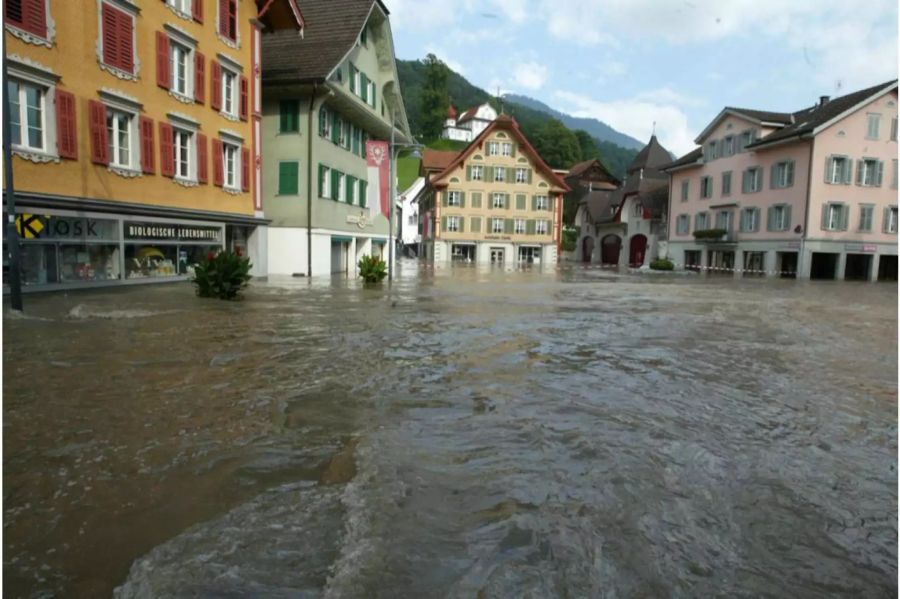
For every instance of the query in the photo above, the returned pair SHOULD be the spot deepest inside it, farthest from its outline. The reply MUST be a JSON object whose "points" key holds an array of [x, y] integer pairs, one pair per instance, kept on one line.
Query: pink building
{"points": [[809, 194]]}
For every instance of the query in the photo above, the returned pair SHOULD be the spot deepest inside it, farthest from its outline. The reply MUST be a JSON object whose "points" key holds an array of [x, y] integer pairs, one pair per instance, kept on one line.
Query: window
{"points": [[519, 228], [541, 203], [340, 188], [638, 209], [453, 198], [749, 220], [701, 221], [289, 113], [507, 149], [493, 148], [890, 219], [683, 224], [684, 190], [728, 146], [833, 217], [364, 35], [521, 175], [27, 115], [866, 212], [28, 15], [723, 220], [288, 178], [228, 19], [181, 66], [779, 217], [344, 138], [371, 95], [117, 38], [363, 187], [499, 174], [837, 170], [782, 174], [711, 149], [452, 224], [325, 122], [542, 227], [119, 134], [894, 129], [230, 156], [869, 172], [182, 6], [499, 200], [496, 225], [229, 92], [324, 181], [894, 180], [706, 185], [752, 180], [183, 144], [747, 137], [873, 121], [726, 183], [477, 173]]}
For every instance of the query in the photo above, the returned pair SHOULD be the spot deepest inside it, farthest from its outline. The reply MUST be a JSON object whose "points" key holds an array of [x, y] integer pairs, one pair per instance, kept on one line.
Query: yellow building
{"points": [[135, 133], [496, 202]]}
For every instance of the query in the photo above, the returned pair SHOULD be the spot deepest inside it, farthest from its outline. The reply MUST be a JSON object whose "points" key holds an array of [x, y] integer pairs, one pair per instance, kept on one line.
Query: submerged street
{"points": [[465, 433]]}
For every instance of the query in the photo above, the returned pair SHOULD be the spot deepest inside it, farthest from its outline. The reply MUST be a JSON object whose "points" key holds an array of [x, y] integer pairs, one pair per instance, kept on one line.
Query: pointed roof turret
{"points": [[451, 112], [651, 157]]}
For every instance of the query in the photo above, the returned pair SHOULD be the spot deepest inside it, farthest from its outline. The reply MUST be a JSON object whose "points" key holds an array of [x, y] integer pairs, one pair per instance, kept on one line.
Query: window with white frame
{"points": [[27, 115], [541, 203], [542, 227], [873, 123], [728, 146], [453, 198], [507, 149], [838, 170], [344, 139], [780, 217], [711, 151], [723, 220], [477, 173], [519, 228], [493, 148], [683, 224], [341, 187], [231, 154], [868, 172], [498, 200], [701, 221], [747, 137], [833, 217], [229, 92], [866, 214], [726, 183], [452, 224], [499, 174], [496, 225], [325, 122], [120, 133], [182, 6], [324, 182], [182, 68], [890, 225], [706, 185], [521, 175], [752, 180], [184, 154], [783, 174], [749, 220], [684, 190]]}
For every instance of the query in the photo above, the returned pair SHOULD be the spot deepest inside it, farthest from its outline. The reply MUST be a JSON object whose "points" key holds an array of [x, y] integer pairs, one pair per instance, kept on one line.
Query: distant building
{"points": [[583, 178], [811, 194], [495, 202], [631, 217], [470, 124], [408, 226]]}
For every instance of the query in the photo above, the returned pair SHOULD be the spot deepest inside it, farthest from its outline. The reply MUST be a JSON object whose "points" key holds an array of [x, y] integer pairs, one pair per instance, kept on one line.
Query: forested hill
{"points": [[559, 145]]}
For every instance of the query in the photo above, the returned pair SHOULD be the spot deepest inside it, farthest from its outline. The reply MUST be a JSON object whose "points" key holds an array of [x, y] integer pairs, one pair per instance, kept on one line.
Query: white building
{"points": [[470, 124], [409, 218]]}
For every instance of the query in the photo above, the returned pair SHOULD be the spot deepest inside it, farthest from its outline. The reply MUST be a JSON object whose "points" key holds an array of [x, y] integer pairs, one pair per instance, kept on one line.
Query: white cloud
{"points": [[515, 10], [425, 14], [530, 75], [635, 117]]}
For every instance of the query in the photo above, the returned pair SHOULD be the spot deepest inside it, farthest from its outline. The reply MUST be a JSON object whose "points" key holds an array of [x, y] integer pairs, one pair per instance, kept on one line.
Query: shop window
{"points": [[145, 261]]}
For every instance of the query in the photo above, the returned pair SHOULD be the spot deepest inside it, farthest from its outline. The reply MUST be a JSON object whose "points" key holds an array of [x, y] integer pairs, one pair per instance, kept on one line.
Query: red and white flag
{"points": [[379, 171]]}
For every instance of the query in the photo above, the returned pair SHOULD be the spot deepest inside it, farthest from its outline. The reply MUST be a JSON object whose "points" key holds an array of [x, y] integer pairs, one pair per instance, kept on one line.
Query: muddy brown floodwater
{"points": [[467, 433]]}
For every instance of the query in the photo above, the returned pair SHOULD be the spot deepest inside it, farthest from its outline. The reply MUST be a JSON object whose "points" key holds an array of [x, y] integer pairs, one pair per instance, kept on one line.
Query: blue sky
{"points": [[632, 62]]}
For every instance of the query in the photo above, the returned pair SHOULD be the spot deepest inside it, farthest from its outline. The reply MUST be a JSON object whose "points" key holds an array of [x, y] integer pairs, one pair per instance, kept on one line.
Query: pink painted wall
{"points": [[848, 137], [737, 164]]}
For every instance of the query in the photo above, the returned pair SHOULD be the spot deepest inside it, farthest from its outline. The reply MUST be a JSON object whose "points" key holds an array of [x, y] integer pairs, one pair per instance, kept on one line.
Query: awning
{"points": [[340, 239]]}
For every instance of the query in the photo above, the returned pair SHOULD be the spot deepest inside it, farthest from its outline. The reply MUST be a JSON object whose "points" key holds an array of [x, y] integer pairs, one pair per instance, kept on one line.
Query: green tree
{"points": [[434, 97], [587, 146], [557, 144]]}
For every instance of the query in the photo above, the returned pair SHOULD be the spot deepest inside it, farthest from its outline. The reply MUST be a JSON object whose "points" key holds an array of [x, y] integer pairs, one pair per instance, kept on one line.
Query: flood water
{"points": [[467, 433]]}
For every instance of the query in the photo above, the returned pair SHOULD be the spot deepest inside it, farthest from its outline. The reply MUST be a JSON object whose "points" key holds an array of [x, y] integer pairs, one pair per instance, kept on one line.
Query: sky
{"points": [[630, 63]]}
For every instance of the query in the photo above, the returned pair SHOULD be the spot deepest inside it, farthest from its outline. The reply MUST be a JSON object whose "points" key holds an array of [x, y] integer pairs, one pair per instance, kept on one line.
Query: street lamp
{"points": [[392, 192]]}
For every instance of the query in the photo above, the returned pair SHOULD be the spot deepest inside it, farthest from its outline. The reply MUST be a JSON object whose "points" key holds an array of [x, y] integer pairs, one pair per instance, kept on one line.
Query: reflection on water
{"points": [[467, 433]]}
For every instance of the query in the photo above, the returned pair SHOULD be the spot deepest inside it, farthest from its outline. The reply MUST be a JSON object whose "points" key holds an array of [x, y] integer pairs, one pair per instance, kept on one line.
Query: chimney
{"points": [[823, 100]]}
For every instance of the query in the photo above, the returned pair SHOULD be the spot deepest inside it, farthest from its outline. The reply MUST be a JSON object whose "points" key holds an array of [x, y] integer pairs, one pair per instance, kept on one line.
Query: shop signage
{"points": [[362, 221], [173, 231], [33, 226], [793, 245], [501, 237], [857, 247]]}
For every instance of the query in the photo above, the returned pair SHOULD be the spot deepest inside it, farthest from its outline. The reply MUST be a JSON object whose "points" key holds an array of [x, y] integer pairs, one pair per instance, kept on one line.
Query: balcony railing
{"points": [[715, 236]]}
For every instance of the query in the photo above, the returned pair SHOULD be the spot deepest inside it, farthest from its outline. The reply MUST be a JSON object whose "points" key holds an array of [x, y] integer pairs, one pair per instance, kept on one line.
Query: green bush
{"points": [[709, 233], [372, 269], [662, 264], [569, 240], [223, 275]]}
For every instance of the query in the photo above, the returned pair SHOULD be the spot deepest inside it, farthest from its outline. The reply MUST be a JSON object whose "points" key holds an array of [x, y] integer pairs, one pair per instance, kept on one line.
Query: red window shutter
{"points": [[245, 169], [166, 151], [223, 17], [15, 12], [216, 86], [99, 139], [245, 97], [34, 17], [232, 20], [202, 158], [66, 130], [126, 42], [147, 150], [162, 60], [218, 164], [110, 22], [199, 75], [198, 10]]}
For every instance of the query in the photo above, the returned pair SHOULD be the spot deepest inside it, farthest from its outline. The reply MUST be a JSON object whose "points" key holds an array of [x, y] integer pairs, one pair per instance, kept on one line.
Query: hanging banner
{"points": [[379, 171]]}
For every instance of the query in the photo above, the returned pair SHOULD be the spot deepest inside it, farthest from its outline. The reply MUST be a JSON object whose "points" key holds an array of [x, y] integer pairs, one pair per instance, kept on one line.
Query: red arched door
{"points": [[611, 245], [587, 249], [638, 249]]}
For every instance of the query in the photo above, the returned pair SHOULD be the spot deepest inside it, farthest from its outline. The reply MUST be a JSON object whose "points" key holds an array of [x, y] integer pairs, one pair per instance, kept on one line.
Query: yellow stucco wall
{"points": [[74, 58]]}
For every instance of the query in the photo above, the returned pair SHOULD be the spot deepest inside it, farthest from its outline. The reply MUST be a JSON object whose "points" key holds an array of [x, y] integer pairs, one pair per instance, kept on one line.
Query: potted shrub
{"points": [[372, 269], [223, 275], [711, 234], [662, 264]]}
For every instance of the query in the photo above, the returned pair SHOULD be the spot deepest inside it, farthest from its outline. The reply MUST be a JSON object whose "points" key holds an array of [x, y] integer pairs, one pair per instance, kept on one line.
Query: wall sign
{"points": [[173, 231], [501, 237], [38, 226], [856, 247]]}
